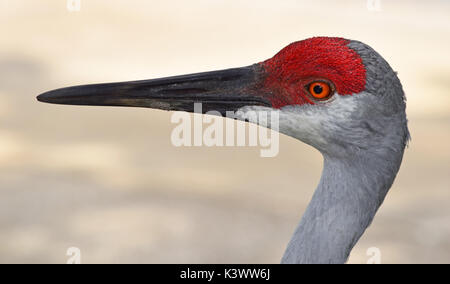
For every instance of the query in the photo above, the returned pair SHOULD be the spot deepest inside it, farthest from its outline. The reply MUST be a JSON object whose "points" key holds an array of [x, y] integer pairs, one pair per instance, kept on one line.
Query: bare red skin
{"points": [[302, 62]]}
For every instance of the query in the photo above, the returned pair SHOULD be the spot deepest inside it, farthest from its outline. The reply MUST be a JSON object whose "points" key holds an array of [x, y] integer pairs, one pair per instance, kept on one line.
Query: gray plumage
{"points": [[362, 150], [362, 136]]}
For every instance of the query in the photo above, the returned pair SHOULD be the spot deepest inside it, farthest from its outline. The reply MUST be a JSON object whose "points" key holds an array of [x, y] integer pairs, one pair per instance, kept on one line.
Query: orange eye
{"points": [[319, 90]]}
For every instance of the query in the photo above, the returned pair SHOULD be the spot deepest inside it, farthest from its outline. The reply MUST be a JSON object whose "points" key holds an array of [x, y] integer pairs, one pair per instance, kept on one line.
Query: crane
{"points": [[337, 95]]}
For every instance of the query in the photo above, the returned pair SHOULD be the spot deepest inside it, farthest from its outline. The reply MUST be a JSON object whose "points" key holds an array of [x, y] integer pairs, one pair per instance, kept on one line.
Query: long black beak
{"points": [[225, 90]]}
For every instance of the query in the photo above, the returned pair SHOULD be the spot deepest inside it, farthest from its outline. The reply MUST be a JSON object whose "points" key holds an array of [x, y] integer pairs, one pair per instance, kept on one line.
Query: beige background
{"points": [[108, 180]]}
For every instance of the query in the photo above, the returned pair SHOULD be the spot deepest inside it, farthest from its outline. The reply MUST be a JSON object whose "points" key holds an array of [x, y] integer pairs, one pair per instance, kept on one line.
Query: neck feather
{"points": [[347, 198]]}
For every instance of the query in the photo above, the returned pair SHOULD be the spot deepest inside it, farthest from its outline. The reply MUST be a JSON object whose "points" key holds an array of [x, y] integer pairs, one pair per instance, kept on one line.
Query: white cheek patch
{"points": [[312, 123], [303, 123], [308, 123], [342, 107]]}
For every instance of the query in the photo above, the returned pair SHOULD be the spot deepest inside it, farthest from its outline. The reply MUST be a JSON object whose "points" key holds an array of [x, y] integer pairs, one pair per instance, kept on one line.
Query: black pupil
{"points": [[318, 89]]}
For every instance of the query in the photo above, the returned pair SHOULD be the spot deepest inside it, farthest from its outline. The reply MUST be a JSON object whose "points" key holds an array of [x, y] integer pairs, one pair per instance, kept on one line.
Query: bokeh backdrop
{"points": [[109, 181]]}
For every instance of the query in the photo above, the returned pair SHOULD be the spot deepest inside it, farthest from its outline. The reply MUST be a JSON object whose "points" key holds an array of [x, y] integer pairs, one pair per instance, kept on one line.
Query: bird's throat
{"points": [[343, 206]]}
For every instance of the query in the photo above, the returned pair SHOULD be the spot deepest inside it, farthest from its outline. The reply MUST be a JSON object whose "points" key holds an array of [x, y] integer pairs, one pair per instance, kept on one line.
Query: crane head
{"points": [[337, 95]]}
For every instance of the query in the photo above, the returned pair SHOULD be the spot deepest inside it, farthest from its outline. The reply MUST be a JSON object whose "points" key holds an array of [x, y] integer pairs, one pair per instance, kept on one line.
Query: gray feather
{"points": [[363, 148]]}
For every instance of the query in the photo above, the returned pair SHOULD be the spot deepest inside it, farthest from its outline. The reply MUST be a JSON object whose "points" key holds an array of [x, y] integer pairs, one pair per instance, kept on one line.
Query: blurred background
{"points": [[109, 181]]}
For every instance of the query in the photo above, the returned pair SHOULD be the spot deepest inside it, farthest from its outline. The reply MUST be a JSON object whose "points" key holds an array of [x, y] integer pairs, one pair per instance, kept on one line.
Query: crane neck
{"points": [[349, 193]]}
